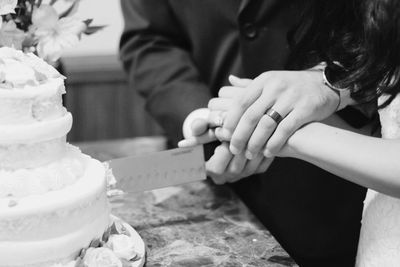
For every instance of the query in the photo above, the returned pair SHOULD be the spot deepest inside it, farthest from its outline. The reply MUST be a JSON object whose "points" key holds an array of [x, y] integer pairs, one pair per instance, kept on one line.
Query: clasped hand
{"points": [[250, 138]]}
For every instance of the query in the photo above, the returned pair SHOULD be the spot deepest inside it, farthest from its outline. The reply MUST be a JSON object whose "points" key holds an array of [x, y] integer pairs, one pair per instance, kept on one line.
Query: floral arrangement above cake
{"points": [[45, 28]]}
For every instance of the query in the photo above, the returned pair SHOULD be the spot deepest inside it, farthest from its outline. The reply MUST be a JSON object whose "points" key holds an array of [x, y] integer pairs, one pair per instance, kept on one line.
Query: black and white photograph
{"points": [[199, 133]]}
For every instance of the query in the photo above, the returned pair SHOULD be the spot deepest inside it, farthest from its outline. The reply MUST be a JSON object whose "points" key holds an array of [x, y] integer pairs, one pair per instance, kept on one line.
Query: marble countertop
{"points": [[197, 224]]}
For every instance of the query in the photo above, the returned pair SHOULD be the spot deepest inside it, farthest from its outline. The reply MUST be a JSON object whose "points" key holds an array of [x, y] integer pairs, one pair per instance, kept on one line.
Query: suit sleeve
{"points": [[157, 59]]}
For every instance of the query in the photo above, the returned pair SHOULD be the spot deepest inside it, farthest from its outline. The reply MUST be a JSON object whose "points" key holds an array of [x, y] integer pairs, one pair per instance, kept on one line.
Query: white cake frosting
{"points": [[53, 199], [53, 176], [54, 221], [35, 132], [30, 89], [32, 104]]}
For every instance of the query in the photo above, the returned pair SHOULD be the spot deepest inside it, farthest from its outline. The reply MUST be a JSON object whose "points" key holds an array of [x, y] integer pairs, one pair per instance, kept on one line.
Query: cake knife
{"points": [[158, 169]]}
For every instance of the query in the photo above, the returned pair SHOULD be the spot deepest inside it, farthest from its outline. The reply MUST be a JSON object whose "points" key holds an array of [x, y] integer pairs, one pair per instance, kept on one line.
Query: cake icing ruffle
{"points": [[38, 103], [54, 176], [55, 226], [33, 145], [36, 132]]}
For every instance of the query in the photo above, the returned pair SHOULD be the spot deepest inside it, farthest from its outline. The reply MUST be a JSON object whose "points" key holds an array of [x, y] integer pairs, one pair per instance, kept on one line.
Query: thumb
{"points": [[201, 113], [199, 127]]}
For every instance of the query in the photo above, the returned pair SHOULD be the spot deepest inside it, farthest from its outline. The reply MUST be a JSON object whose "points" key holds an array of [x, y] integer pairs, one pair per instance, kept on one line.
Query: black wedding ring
{"points": [[273, 114]]}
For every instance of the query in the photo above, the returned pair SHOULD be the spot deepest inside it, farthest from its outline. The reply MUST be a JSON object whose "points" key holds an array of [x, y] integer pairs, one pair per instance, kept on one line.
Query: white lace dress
{"points": [[379, 244]]}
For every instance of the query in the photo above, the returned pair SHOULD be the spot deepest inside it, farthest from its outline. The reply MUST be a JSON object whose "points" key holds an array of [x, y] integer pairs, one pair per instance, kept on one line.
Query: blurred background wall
{"points": [[104, 12], [103, 105]]}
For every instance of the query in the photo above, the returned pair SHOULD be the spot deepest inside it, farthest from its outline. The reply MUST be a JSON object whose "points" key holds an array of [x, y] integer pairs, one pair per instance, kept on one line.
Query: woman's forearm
{"points": [[368, 161]]}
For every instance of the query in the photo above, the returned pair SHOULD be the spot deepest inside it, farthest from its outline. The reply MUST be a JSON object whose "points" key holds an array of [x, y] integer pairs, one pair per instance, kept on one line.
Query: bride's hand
{"points": [[198, 128], [223, 166], [227, 98], [203, 125]]}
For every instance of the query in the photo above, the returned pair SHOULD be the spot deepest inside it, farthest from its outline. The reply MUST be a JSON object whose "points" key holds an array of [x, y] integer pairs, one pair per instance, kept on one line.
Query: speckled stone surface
{"points": [[197, 224]]}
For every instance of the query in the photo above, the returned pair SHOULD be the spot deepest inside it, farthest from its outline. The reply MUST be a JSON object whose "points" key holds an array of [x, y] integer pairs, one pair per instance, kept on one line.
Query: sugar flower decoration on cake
{"points": [[114, 249], [7, 6], [122, 245], [18, 69], [46, 28], [101, 257]]}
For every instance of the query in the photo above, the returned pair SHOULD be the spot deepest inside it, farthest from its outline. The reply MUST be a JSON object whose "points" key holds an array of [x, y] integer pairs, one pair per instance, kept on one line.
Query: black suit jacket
{"points": [[178, 53]]}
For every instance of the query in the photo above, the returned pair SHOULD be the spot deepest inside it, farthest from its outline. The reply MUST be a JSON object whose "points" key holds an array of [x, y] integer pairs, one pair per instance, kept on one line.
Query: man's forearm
{"points": [[159, 66]]}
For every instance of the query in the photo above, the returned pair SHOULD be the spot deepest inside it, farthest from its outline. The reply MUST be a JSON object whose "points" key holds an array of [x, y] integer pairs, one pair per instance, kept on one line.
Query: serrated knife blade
{"points": [[159, 169]]}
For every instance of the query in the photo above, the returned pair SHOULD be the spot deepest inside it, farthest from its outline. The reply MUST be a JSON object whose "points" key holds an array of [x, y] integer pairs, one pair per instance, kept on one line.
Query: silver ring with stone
{"points": [[273, 114]]}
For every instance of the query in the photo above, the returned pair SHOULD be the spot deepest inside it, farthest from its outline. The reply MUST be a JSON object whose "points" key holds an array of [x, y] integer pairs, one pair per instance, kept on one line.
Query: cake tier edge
{"points": [[56, 225]]}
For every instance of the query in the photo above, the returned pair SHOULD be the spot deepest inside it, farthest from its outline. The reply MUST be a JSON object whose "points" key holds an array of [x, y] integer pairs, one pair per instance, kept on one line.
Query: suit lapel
{"points": [[243, 5], [263, 6]]}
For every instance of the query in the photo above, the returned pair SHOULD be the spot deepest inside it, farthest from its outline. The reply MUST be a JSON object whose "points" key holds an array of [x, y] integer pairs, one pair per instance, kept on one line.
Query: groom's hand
{"points": [[203, 125], [299, 97]]}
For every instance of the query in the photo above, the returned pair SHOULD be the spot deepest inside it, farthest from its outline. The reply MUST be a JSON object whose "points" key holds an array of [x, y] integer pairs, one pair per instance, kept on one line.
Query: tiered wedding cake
{"points": [[53, 198]]}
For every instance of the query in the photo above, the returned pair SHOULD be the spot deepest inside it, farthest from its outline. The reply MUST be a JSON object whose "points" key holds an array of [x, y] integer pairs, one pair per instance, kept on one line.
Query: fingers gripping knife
{"points": [[160, 169]]}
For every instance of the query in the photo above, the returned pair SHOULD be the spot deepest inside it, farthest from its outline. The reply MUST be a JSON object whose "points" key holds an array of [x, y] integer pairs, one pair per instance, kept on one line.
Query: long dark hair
{"points": [[359, 40]]}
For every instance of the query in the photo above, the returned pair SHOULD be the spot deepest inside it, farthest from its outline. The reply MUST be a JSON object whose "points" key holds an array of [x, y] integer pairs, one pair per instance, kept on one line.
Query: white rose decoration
{"points": [[69, 264], [101, 257], [20, 69], [122, 245], [13, 67], [7, 6]]}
